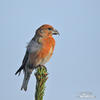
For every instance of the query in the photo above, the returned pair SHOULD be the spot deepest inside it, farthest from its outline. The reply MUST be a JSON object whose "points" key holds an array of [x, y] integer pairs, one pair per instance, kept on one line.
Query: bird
{"points": [[38, 52]]}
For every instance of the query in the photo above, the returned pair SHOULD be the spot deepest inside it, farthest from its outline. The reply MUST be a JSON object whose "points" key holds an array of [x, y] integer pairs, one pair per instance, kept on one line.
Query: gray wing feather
{"points": [[23, 63]]}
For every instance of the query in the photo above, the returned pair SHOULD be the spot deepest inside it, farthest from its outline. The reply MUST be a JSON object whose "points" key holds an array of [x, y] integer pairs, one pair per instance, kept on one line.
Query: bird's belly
{"points": [[46, 57]]}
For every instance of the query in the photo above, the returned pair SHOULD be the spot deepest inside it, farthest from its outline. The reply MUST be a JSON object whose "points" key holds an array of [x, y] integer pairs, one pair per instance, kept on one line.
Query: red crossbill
{"points": [[39, 51]]}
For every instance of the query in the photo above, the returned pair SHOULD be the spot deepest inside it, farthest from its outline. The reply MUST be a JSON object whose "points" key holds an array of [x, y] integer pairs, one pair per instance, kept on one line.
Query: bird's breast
{"points": [[40, 54], [47, 49]]}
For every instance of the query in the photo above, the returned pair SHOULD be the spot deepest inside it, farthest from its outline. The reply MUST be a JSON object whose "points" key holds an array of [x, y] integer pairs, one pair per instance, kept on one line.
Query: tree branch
{"points": [[41, 77]]}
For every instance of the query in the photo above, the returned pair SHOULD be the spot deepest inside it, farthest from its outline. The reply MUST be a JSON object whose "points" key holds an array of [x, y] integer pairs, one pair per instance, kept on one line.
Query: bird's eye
{"points": [[49, 28]]}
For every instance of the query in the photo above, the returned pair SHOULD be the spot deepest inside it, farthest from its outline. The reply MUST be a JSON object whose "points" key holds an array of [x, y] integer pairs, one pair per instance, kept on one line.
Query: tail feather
{"points": [[27, 73], [26, 80]]}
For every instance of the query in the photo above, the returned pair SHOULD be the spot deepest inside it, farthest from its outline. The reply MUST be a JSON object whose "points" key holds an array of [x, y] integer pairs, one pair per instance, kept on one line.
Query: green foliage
{"points": [[41, 77]]}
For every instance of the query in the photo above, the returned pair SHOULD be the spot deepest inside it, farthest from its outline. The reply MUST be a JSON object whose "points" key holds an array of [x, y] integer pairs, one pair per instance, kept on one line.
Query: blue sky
{"points": [[75, 65]]}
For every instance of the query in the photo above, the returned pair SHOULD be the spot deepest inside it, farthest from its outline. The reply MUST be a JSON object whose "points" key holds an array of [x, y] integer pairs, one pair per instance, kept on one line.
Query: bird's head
{"points": [[46, 30]]}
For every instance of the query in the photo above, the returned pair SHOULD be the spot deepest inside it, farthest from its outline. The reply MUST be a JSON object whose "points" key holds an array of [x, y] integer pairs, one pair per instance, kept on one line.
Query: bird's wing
{"points": [[32, 47], [23, 63], [25, 58]]}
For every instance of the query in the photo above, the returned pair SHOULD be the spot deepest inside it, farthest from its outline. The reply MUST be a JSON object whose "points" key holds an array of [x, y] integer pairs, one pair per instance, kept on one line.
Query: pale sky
{"points": [[75, 64]]}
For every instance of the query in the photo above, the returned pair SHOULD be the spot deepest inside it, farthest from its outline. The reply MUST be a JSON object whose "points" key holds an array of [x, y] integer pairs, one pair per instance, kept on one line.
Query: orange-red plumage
{"points": [[39, 51]]}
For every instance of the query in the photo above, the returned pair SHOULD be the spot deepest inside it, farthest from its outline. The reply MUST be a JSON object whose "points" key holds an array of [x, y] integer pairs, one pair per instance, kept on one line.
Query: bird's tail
{"points": [[26, 80]]}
